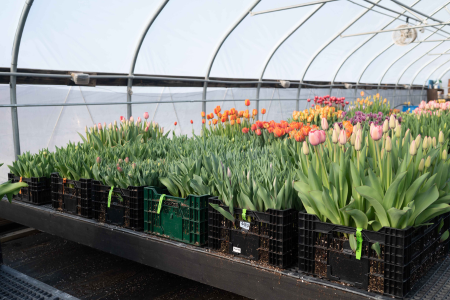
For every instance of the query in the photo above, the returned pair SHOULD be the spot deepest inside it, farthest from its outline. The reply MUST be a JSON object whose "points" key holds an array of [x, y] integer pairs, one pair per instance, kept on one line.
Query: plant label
{"points": [[244, 225], [236, 249]]}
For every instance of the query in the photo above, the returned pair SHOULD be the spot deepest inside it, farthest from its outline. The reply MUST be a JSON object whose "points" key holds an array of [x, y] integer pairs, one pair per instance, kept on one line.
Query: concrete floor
{"points": [[87, 273]]}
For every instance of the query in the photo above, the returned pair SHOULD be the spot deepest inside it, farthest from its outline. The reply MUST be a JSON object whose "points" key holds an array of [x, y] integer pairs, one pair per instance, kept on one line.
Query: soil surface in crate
{"points": [[87, 273]]}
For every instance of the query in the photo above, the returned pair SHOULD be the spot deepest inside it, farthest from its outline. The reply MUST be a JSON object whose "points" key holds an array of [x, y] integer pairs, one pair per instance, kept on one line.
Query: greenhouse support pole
{"points": [[12, 85], [258, 88], [219, 45], [136, 53], [297, 103]]}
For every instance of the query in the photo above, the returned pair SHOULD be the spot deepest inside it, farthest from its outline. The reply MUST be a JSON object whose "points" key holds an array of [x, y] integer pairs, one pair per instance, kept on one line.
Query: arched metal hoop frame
{"points": [[316, 7]]}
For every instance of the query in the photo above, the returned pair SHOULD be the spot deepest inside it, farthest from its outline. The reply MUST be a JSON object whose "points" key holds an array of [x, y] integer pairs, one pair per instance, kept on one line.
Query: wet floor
{"points": [[87, 273]]}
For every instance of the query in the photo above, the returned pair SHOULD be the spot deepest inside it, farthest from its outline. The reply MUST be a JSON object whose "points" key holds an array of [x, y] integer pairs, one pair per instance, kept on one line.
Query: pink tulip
{"points": [[342, 138], [146, 129], [99, 126], [146, 115], [324, 124], [376, 132], [314, 137], [131, 119], [139, 119], [122, 119], [323, 136]]}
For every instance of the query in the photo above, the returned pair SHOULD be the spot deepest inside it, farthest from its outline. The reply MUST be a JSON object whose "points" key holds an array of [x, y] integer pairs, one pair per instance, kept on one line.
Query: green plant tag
{"points": [[244, 213], [110, 195], [160, 203], [359, 241]]}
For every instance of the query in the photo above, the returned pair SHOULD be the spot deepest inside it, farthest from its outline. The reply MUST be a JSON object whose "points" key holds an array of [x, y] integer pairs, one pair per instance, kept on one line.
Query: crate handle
{"points": [[110, 195], [161, 199], [359, 241], [20, 180]]}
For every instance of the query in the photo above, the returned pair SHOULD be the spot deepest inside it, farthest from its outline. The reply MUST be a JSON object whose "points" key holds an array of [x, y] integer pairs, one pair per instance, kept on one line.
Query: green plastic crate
{"points": [[180, 219]]}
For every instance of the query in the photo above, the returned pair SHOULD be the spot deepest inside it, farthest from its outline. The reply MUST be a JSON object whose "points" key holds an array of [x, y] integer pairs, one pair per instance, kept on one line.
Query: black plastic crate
{"points": [[406, 254], [270, 237], [72, 196], [126, 207], [38, 191]]}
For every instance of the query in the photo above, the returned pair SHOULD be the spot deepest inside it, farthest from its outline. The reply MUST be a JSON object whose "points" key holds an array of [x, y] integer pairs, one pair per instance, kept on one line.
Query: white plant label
{"points": [[236, 249], [244, 225]]}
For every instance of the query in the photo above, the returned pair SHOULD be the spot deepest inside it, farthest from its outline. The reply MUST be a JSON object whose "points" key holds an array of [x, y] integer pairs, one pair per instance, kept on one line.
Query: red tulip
{"points": [[309, 100], [258, 132], [192, 122]]}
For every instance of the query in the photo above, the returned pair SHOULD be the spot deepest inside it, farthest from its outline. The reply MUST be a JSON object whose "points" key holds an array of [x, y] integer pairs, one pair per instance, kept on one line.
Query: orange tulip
{"points": [[255, 112], [209, 123], [203, 114], [253, 127], [214, 121], [232, 122], [203, 121], [192, 122], [238, 121], [263, 111], [175, 123], [247, 102], [245, 130], [362, 93]]}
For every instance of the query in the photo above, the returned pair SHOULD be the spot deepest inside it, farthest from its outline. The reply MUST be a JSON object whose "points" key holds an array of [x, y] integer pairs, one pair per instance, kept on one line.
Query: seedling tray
{"points": [[406, 254], [268, 237], [126, 207], [71, 196], [180, 219], [38, 191]]}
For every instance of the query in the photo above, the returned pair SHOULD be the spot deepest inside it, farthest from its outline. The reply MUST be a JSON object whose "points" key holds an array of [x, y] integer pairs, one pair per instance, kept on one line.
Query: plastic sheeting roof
{"points": [[101, 36]]}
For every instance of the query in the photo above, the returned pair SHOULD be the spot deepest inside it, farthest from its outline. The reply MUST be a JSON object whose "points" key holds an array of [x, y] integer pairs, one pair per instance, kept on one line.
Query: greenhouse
{"points": [[289, 149]]}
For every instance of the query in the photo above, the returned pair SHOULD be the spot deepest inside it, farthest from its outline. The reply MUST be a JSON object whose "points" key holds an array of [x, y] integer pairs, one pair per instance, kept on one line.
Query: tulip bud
{"points": [[120, 160], [334, 137], [95, 127], [119, 169], [99, 159], [398, 131], [353, 138], [324, 124], [425, 143], [407, 133], [127, 160], [392, 122], [434, 142], [115, 123], [421, 165], [430, 141], [444, 154], [412, 148], [342, 138], [358, 126], [131, 119], [146, 115], [388, 144], [146, 129], [161, 130], [385, 126], [358, 141], [441, 137], [428, 162], [305, 148], [133, 165], [337, 129], [418, 140], [86, 129], [228, 172]]}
